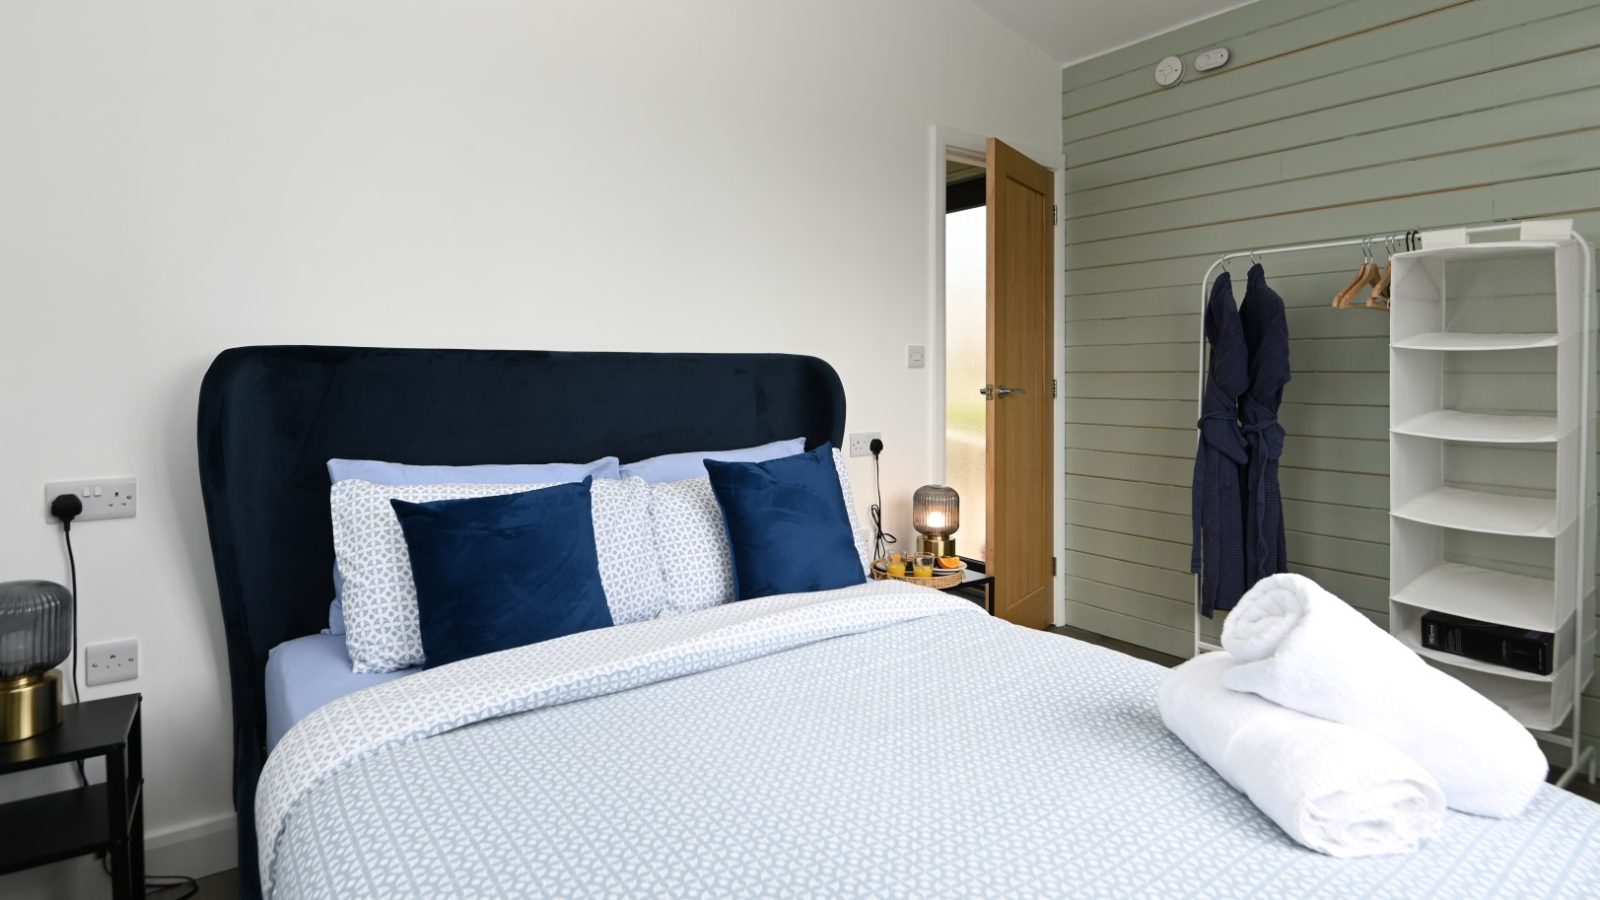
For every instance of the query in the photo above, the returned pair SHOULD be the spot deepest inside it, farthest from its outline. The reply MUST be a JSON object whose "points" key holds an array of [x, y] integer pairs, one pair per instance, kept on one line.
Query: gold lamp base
{"points": [[936, 545], [29, 705]]}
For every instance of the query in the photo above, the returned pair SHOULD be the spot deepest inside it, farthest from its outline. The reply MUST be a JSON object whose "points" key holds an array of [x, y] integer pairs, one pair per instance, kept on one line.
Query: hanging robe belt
{"points": [[1265, 439], [1220, 431]]}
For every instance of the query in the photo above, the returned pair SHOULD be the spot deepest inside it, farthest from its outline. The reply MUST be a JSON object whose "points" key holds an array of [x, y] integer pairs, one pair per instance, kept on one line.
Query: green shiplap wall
{"points": [[1333, 119]]}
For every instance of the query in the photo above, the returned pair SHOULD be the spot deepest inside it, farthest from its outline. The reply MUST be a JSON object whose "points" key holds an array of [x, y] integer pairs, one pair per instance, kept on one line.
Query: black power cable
{"points": [[65, 508], [881, 540]]}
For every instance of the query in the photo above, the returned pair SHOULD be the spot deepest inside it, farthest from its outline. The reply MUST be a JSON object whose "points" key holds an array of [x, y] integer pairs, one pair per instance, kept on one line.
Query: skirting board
{"points": [[196, 850]]}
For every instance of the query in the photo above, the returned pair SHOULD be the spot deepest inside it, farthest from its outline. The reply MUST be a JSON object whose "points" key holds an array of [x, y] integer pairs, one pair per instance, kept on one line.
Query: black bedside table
{"points": [[69, 823], [975, 585]]}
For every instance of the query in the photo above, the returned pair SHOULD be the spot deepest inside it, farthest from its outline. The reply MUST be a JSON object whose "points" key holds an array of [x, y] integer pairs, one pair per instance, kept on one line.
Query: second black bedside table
{"points": [[975, 586], [69, 823]]}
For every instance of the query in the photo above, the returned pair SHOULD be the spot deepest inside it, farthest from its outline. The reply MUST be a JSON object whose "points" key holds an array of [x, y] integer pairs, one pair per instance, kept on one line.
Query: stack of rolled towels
{"points": [[1341, 734]]}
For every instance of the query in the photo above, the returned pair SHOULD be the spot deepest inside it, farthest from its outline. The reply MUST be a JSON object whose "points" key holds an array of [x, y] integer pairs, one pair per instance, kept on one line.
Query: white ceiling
{"points": [[1074, 30]]}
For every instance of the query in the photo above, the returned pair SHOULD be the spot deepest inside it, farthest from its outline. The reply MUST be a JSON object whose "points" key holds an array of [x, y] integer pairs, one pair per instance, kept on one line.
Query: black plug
{"points": [[66, 507], [876, 446]]}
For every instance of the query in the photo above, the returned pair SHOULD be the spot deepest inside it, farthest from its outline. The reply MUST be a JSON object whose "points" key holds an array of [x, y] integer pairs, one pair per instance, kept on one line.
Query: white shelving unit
{"points": [[1492, 497]]}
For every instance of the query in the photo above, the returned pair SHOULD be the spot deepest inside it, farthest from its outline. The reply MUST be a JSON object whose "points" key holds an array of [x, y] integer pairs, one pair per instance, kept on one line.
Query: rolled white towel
{"points": [[1301, 647], [1333, 788]]}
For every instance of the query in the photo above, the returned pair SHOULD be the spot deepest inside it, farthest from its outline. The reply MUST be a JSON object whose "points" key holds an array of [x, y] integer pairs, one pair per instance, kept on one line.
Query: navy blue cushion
{"points": [[499, 572], [786, 523]]}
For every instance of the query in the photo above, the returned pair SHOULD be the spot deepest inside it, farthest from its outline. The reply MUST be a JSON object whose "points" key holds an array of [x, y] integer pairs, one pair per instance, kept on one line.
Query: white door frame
{"points": [[947, 142]]}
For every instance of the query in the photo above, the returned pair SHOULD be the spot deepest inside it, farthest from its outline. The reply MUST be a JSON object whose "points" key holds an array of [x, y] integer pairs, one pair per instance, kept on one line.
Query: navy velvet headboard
{"points": [[271, 417]]}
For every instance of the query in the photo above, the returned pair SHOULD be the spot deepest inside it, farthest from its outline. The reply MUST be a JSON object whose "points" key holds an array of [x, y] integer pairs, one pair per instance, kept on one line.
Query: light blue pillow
{"points": [[678, 466], [376, 472]]}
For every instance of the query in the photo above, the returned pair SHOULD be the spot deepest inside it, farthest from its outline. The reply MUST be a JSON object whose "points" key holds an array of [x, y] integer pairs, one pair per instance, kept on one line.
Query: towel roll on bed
{"points": [[1333, 788], [1301, 647]]}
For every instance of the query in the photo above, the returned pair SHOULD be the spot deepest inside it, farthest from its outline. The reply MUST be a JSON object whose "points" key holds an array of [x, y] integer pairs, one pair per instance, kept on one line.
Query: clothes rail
{"points": [[1581, 756], [1364, 242]]}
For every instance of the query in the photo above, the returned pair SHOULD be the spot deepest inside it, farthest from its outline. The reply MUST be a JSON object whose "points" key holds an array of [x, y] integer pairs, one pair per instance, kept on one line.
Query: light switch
{"points": [[916, 355]]}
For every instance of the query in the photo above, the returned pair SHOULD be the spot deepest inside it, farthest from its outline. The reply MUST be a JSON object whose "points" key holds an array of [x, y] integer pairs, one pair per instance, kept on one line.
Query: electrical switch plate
{"points": [[1211, 60], [861, 444], [111, 661], [916, 355], [1168, 71], [103, 498]]}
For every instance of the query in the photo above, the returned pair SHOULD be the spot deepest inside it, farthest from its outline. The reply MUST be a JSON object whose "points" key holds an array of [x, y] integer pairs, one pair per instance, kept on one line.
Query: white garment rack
{"points": [[1580, 757], [1200, 646]]}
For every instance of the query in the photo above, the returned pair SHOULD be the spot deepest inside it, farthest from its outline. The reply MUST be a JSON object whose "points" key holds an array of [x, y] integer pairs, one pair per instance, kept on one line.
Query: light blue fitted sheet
{"points": [[305, 673]]}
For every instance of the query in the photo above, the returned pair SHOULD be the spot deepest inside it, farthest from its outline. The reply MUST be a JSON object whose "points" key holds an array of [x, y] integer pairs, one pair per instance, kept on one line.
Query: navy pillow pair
{"points": [[494, 573], [787, 526]]}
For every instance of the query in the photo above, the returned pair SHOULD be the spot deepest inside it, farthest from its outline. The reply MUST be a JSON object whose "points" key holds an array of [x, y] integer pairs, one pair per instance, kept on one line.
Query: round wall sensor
{"points": [[1168, 71]]}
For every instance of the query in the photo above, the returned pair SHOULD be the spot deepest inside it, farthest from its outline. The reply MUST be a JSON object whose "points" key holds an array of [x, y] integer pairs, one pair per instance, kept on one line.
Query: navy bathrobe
{"points": [[1266, 334], [1221, 458]]}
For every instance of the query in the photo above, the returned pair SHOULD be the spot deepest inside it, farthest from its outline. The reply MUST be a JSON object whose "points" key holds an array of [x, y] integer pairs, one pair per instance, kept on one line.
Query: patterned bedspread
{"points": [[876, 741]]}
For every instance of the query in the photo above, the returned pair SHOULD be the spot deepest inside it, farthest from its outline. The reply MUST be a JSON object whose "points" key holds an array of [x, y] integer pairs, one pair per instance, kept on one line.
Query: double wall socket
{"points": [[111, 661], [103, 498], [861, 444]]}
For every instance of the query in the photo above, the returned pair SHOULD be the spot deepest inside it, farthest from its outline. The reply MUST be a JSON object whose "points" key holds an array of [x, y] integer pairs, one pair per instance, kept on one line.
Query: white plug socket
{"points": [[103, 498], [861, 444], [111, 661]]}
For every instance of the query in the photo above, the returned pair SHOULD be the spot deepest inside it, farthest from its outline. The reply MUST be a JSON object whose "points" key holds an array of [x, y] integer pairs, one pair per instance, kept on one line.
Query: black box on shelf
{"points": [[1502, 645]]}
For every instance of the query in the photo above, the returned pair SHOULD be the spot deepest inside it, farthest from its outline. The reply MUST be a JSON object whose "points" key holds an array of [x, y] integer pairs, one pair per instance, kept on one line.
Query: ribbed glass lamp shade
{"points": [[936, 510], [35, 627]]}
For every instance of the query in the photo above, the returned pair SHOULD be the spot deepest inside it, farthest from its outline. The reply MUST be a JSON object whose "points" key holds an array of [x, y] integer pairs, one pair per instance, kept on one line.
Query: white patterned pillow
{"points": [[692, 540], [380, 599], [693, 544], [629, 569], [863, 546]]}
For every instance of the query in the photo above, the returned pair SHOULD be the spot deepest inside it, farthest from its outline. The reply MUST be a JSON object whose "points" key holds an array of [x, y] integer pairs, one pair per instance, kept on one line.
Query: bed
{"points": [[876, 740]]}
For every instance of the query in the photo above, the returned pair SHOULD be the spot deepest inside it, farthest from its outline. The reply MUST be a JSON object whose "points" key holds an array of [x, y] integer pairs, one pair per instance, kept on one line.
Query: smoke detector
{"points": [[1168, 71]]}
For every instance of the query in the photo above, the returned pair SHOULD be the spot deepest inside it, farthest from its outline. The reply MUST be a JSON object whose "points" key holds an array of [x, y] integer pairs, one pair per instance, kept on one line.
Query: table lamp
{"points": [[936, 514], [35, 637]]}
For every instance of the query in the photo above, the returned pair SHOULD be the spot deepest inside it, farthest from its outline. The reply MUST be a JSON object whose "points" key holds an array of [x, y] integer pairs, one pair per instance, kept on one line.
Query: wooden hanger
{"points": [[1367, 276], [1379, 298]]}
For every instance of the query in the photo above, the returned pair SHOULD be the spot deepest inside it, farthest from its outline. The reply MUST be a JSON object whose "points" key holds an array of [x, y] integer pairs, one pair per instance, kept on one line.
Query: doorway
{"points": [[966, 349], [996, 315]]}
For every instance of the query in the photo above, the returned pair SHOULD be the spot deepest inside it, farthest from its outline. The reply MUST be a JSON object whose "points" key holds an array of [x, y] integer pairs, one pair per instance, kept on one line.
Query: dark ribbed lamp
{"points": [[936, 514], [35, 637]]}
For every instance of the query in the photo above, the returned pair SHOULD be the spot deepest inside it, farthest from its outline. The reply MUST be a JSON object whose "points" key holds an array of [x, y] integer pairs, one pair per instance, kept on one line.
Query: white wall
{"points": [[181, 177]]}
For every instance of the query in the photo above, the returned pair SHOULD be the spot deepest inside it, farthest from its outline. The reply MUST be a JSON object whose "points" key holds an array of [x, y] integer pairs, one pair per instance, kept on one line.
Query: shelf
{"points": [[1493, 469], [87, 729], [1483, 512], [1462, 341], [1482, 428], [1486, 249], [1540, 705], [1465, 662], [53, 827], [1484, 595]]}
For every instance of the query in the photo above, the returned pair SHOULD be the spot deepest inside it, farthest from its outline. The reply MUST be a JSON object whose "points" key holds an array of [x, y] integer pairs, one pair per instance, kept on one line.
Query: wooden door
{"points": [[1020, 327]]}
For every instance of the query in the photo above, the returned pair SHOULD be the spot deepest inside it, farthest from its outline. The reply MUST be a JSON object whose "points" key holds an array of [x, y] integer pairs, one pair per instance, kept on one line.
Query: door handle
{"points": [[991, 392]]}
